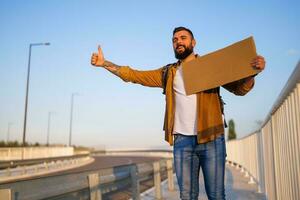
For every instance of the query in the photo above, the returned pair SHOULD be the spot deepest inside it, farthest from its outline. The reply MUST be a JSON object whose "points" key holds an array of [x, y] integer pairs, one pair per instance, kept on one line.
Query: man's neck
{"points": [[189, 58]]}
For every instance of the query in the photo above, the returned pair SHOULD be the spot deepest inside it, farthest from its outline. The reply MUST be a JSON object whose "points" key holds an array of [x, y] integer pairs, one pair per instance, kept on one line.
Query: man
{"points": [[193, 123]]}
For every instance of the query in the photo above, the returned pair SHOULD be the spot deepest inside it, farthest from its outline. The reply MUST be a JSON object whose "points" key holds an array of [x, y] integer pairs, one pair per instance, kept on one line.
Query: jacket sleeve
{"points": [[150, 78], [240, 87]]}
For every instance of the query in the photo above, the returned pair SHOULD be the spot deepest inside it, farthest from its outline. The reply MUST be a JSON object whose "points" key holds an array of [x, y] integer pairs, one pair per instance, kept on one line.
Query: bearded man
{"points": [[193, 123]]}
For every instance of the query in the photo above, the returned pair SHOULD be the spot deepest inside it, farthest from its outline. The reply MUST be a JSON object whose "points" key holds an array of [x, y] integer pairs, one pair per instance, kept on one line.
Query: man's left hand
{"points": [[258, 63]]}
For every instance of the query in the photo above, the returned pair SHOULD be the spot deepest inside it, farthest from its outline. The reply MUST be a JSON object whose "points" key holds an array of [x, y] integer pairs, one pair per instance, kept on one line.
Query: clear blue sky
{"points": [[137, 33]]}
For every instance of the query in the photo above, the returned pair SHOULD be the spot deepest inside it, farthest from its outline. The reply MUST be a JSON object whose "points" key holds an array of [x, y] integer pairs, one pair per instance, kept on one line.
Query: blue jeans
{"points": [[189, 156]]}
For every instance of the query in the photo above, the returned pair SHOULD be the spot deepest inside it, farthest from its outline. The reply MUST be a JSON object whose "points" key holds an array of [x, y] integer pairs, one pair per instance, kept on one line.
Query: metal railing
{"points": [[17, 169], [270, 156], [16, 163], [96, 184]]}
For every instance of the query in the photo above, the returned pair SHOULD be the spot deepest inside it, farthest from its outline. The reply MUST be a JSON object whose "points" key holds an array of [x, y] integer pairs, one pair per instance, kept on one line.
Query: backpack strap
{"points": [[222, 103], [165, 72]]}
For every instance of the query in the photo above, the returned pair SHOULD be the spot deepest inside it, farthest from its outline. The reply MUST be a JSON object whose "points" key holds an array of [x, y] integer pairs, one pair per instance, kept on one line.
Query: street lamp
{"points": [[27, 88], [71, 117], [48, 129]]}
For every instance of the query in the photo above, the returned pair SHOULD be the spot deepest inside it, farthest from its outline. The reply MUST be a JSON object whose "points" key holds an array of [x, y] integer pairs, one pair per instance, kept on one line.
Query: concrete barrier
{"points": [[19, 153]]}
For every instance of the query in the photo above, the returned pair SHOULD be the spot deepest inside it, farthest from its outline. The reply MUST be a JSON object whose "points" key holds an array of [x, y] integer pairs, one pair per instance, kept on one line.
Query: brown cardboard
{"points": [[223, 66]]}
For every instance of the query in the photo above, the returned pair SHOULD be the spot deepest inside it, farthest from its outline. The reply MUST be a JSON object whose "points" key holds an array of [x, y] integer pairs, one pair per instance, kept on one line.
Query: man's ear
{"points": [[193, 43]]}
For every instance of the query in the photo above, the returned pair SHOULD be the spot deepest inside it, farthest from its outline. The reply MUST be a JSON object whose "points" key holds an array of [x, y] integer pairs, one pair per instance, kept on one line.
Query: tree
{"points": [[231, 130], [36, 144]]}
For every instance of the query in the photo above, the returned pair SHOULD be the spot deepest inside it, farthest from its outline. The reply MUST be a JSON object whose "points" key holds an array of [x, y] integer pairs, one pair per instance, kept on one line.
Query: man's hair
{"points": [[181, 28]]}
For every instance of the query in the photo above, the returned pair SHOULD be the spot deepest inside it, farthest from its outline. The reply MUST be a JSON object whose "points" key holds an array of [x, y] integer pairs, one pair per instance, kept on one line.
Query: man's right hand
{"points": [[97, 59]]}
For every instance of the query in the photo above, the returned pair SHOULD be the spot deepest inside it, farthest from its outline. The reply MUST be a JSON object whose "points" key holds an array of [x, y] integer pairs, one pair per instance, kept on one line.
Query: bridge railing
{"points": [[271, 155], [17, 169]]}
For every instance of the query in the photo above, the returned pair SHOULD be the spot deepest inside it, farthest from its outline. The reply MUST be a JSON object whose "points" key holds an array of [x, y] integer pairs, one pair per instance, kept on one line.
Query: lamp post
{"points": [[48, 129], [27, 88], [71, 117]]}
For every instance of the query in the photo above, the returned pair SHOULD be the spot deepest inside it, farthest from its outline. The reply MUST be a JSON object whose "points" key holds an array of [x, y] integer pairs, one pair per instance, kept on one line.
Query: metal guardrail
{"points": [[92, 184], [15, 174], [271, 155], [16, 163], [148, 153]]}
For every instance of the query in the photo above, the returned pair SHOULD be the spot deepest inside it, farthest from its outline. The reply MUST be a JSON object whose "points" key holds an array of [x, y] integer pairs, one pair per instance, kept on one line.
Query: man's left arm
{"points": [[243, 86]]}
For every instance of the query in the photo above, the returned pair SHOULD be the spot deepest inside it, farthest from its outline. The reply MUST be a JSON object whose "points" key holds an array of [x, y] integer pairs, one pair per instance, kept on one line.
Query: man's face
{"points": [[183, 44]]}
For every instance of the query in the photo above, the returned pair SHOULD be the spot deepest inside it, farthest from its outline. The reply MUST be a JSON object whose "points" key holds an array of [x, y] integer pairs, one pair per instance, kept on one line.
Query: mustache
{"points": [[180, 46]]}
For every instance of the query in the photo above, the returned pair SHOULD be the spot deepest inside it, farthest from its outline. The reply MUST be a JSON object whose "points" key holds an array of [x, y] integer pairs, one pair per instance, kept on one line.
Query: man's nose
{"points": [[179, 43]]}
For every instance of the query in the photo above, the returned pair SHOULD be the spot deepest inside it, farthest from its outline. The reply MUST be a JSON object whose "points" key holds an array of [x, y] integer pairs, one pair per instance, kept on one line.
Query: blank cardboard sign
{"points": [[223, 66]]}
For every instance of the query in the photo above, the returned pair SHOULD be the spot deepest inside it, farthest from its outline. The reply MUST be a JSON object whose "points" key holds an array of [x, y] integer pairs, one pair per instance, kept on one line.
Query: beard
{"points": [[187, 51]]}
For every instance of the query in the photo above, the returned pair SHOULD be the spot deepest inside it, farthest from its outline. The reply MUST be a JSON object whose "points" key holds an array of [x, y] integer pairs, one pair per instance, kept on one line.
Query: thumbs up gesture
{"points": [[97, 59]]}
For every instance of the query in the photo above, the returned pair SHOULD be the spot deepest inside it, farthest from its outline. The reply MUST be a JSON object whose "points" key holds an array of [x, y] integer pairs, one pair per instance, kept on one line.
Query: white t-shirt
{"points": [[185, 107]]}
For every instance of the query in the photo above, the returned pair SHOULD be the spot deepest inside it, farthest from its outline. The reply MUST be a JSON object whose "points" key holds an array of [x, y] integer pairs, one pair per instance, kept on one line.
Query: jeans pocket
{"points": [[221, 138], [178, 138], [221, 141]]}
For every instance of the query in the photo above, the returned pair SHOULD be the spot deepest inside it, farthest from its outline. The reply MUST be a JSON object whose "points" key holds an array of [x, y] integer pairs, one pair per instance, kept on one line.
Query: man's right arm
{"points": [[150, 78]]}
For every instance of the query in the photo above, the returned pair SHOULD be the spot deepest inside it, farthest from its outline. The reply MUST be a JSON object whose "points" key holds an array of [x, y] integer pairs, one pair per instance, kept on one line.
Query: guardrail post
{"points": [[260, 163], [135, 183], [246, 174], [170, 175], [46, 166], [5, 194], [232, 164], [242, 170], [251, 181], [36, 168], [157, 180], [95, 192], [8, 173], [24, 171]]}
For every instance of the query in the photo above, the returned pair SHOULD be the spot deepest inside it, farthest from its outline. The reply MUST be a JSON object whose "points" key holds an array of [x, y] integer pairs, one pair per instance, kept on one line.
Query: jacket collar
{"points": [[178, 63]]}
